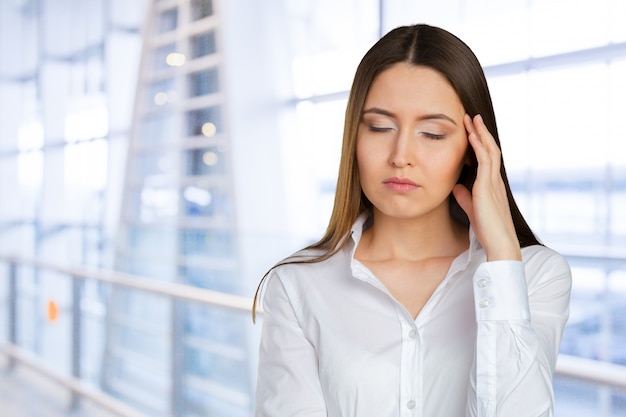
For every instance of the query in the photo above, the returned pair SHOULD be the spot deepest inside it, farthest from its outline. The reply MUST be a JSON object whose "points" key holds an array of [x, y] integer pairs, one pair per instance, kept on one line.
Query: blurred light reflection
{"points": [[175, 59]]}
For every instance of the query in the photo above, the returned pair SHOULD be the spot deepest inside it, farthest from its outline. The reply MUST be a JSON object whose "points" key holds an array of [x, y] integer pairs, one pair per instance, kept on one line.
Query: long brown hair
{"points": [[422, 45]]}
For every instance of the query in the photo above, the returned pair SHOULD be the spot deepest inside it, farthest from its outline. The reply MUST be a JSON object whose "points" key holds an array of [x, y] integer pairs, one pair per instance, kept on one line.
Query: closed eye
{"points": [[379, 128], [433, 136]]}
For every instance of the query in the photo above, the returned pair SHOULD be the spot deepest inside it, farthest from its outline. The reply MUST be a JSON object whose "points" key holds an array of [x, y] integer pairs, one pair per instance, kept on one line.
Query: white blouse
{"points": [[336, 343]]}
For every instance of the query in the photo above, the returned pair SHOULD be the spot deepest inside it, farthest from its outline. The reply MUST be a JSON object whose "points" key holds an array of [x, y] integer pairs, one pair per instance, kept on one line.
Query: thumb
{"points": [[465, 200]]}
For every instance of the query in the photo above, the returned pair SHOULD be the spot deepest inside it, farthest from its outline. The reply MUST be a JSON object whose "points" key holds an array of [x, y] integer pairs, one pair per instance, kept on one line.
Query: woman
{"points": [[428, 295]]}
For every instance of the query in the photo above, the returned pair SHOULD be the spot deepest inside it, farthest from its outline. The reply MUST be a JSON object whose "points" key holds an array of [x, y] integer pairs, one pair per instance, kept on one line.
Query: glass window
{"points": [[159, 128], [208, 277], [200, 402], [597, 328], [617, 210], [142, 306], [201, 9], [85, 164], [570, 211], [202, 44], [153, 241], [327, 46], [156, 163], [223, 369], [203, 82], [157, 202], [148, 374], [217, 325], [213, 202], [197, 120], [30, 169], [161, 93], [167, 20], [160, 54], [205, 161], [311, 157], [208, 243]]}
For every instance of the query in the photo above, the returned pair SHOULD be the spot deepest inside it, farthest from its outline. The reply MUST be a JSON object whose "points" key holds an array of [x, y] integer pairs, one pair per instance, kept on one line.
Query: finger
{"points": [[488, 142], [486, 138], [488, 155], [482, 154], [472, 134], [469, 125]]}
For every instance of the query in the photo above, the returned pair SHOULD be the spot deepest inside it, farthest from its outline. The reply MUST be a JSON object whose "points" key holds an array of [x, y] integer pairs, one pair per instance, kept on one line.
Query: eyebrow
{"points": [[433, 116]]}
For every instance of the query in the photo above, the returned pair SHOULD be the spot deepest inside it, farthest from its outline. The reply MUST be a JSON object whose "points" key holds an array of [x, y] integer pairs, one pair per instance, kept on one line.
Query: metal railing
{"points": [[596, 372], [78, 388]]}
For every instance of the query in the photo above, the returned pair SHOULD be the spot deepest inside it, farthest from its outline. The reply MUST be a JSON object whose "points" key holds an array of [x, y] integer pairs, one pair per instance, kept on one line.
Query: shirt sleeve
{"points": [[288, 380], [521, 310]]}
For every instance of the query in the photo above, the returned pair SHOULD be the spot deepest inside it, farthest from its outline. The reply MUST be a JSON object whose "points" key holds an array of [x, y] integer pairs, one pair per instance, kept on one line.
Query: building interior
{"points": [[158, 156]]}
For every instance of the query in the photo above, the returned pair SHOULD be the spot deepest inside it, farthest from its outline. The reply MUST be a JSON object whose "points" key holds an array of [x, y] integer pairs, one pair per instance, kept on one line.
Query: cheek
{"points": [[448, 163], [368, 171], [364, 157], [462, 159]]}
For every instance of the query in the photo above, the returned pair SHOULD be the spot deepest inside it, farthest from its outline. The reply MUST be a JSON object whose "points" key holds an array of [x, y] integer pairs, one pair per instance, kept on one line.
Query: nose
{"points": [[402, 154]]}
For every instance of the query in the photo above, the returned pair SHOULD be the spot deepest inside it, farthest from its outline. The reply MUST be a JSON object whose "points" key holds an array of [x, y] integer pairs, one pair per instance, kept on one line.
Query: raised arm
{"points": [[521, 310], [521, 296]]}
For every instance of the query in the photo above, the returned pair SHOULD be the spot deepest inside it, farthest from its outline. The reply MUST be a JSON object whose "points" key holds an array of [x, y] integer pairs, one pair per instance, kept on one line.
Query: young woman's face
{"points": [[412, 143]]}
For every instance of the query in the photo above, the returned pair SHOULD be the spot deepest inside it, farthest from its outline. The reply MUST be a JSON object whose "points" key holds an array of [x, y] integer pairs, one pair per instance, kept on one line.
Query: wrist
{"points": [[504, 254]]}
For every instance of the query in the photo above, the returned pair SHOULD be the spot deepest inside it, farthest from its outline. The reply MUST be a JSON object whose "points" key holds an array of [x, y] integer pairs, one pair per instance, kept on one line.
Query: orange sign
{"points": [[53, 311]]}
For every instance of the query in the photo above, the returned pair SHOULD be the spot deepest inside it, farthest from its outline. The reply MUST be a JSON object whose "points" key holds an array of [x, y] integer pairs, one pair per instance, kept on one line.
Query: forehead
{"points": [[413, 88]]}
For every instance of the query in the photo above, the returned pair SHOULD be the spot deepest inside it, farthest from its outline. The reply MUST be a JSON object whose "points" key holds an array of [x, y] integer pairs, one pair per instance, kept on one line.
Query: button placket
{"points": [[410, 361]]}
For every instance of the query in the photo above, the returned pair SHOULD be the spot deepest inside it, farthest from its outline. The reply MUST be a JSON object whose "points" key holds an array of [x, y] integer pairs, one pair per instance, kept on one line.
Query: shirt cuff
{"points": [[500, 291]]}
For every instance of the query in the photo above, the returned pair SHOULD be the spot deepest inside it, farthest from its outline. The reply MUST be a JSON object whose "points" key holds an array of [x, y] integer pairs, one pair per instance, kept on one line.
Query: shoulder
{"points": [[308, 264], [305, 270], [542, 263], [541, 255]]}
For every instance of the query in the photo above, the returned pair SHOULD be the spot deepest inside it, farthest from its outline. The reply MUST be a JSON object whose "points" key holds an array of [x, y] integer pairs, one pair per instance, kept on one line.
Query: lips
{"points": [[400, 184]]}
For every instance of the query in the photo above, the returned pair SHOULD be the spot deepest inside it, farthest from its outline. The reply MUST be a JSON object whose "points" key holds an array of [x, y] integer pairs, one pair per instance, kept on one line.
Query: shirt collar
{"points": [[357, 232]]}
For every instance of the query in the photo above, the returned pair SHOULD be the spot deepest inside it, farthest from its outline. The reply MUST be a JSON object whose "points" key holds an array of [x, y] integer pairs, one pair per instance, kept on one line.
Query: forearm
{"points": [[517, 341]]}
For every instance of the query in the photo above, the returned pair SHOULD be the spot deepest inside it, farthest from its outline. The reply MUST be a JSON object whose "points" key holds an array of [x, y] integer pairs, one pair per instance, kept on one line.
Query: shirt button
{"points": [[412, 333], [484, 303], [410, 405], [483, 283]]}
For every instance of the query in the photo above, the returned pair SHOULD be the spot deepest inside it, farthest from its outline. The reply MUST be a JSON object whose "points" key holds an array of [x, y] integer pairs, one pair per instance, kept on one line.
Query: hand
{"points": [[487, 206]]}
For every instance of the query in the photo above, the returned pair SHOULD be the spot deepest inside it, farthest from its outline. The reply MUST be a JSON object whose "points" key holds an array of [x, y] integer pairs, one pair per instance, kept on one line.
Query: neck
{"points": [[413, 239]]}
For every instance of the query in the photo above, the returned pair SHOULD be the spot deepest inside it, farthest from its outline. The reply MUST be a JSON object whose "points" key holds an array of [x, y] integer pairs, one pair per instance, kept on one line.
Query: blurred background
{"points": [[156, 157]]}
